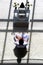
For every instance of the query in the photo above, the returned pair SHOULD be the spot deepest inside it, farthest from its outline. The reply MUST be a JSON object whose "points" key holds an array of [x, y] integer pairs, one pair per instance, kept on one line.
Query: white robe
{"points": [[25, 38]]}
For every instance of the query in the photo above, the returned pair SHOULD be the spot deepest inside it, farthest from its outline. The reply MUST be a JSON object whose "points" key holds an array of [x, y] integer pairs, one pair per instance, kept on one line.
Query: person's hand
{"points": [[18, 37]]}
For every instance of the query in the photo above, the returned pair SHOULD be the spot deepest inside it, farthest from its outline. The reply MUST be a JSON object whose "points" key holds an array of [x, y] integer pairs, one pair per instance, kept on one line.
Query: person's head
{"points": [[21, 41], [27, 2]]}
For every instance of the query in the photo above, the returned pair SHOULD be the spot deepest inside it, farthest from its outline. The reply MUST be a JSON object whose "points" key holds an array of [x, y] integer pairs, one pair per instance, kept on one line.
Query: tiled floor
{"points": [[36, 49]]}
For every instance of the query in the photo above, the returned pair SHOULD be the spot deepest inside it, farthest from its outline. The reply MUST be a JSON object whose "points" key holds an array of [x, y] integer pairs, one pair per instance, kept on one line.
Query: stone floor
{"points": [[36, 49]]}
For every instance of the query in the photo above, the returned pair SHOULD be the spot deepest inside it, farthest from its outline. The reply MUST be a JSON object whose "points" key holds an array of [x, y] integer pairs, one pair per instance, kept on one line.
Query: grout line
{"points": [[11, 20], [6, 31], [31, 32]]}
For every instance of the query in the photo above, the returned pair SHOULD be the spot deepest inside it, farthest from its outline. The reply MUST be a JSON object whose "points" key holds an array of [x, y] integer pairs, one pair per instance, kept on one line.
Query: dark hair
{"points": [[21, 41]]}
